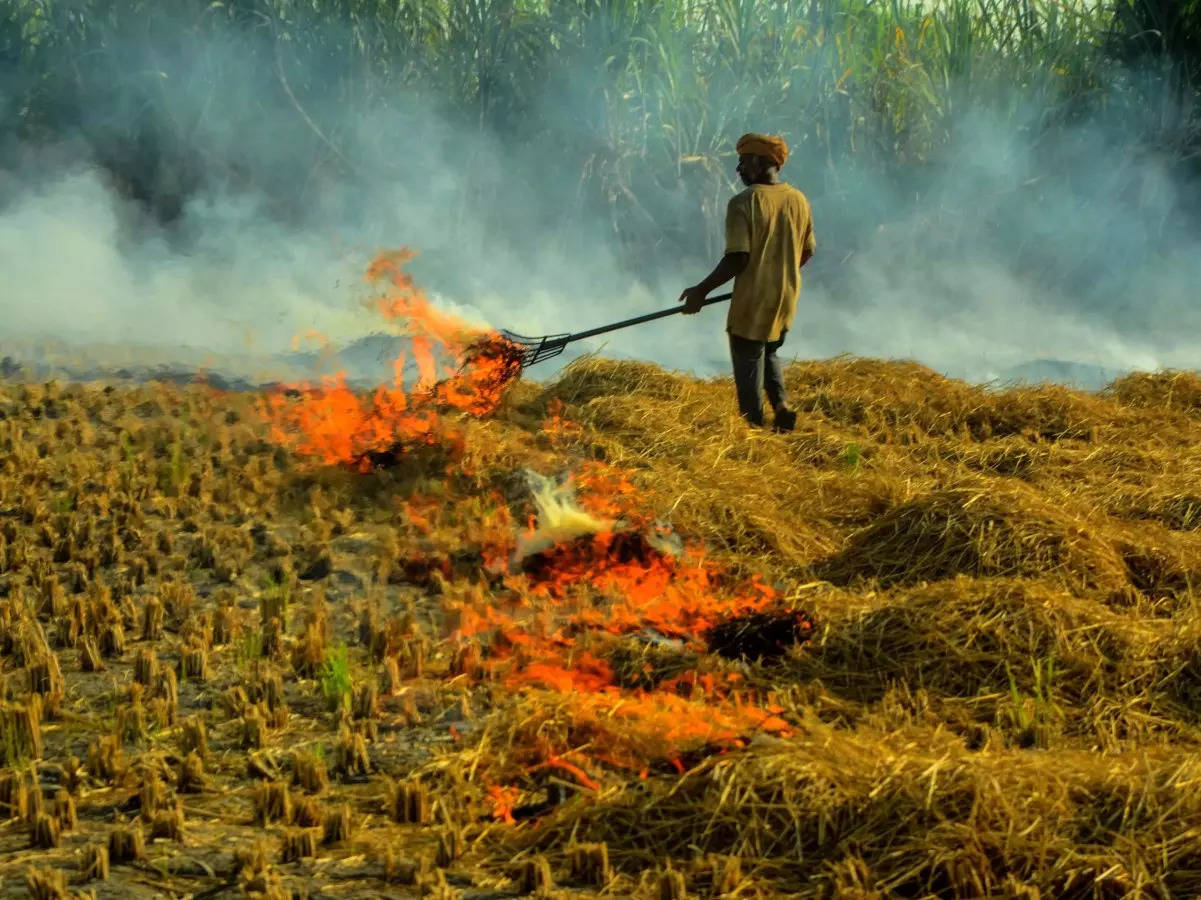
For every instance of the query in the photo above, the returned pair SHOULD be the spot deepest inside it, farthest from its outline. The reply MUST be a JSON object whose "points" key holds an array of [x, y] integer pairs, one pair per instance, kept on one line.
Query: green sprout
{"points": [[335, 676]]}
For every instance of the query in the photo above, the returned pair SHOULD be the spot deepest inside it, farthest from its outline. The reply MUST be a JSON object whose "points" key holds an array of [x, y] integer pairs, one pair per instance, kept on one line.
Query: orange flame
{"points": [[575, 602], [458, 369], [503, 800]]}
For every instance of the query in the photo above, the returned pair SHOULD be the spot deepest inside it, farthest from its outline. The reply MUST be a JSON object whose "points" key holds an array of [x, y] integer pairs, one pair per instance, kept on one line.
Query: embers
{"points": [[612, 548]]}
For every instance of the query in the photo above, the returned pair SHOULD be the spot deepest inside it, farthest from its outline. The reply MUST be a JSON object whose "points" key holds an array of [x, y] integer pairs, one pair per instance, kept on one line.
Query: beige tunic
{"points": [[773, 223]]}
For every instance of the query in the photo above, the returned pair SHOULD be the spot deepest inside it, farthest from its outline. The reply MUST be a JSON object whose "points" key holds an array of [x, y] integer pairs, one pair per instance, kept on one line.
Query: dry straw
{"points": [[929, 816]]}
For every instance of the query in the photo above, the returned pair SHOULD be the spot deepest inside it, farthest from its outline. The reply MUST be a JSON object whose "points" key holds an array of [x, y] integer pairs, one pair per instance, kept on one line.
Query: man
{"points": [[769, 238]]}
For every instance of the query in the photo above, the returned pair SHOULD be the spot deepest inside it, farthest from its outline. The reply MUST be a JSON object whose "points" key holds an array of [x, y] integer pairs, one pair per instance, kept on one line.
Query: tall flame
{"points": [[339, 426]]}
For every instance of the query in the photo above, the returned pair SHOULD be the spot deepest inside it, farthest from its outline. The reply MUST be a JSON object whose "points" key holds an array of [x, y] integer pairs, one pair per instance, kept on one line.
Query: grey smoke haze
{"points": [[953, 270]]}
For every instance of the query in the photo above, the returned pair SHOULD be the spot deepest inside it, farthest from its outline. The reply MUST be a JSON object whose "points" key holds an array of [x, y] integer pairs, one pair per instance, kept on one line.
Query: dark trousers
{"points": [[756, 367]]}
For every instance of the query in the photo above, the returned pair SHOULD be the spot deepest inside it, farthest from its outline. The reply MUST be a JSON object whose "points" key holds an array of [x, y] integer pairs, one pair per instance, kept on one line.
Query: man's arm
{"points": [[729, 266], [809, 246]]}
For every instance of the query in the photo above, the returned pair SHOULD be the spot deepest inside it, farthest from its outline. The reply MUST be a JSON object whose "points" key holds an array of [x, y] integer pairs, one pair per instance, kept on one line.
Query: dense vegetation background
{"points": [[1041, 128]]}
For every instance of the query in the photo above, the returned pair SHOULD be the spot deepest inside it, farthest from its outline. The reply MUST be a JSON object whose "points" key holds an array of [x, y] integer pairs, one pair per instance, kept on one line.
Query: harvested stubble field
{"points": [[233, 669]]}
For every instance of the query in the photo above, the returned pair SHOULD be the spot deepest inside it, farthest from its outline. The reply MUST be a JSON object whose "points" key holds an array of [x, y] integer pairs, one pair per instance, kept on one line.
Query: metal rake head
{"points": [[536, 349]]}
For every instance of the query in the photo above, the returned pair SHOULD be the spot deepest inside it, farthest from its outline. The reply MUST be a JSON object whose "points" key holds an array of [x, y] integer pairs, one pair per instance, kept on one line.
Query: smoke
{"points": [[1022, 249], [1011, 246]]}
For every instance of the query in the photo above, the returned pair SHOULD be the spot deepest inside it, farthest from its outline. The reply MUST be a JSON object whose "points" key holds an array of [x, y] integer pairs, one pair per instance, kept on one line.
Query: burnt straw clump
{"points": [[766, 634]]}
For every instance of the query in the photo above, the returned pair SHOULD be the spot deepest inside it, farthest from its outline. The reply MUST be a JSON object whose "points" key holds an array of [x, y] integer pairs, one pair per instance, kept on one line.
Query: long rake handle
{"points": [[638, 320]]}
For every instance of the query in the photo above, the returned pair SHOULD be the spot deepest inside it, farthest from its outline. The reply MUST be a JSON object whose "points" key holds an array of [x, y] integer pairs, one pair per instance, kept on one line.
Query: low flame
{"points": [[584, 590]]}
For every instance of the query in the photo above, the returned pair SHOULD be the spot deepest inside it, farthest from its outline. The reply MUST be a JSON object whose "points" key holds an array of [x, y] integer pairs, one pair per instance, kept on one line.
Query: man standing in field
{"points": [[769, 237]]}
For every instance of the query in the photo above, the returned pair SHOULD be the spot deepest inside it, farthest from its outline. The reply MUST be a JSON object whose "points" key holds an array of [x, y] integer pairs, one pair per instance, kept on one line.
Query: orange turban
{"points": [[768, 145]]}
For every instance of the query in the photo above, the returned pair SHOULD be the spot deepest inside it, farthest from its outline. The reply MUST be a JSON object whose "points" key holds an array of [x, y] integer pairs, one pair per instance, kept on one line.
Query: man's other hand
{"points": [[692, 298]]}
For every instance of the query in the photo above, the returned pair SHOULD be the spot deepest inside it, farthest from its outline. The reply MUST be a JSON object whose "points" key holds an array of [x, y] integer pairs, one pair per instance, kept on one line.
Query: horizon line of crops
{"points": [[641, 98]]}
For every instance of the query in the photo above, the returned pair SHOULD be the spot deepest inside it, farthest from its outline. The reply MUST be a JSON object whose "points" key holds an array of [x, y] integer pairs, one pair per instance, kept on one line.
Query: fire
{"points": [[503, 799], [459, 369], [583, 590]]}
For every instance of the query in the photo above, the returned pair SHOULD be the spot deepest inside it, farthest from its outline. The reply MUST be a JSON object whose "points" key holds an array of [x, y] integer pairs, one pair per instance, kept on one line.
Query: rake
{"points": [[536, 349]]}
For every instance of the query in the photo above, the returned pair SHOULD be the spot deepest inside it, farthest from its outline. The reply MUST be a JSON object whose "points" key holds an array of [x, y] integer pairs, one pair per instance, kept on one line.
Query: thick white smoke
{"points": [[953, 275]]}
